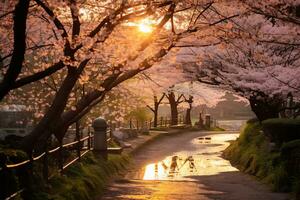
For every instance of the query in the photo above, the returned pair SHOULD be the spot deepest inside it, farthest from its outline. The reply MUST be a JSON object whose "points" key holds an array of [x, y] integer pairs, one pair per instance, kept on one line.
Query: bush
{"points": [[252, 121], [289, 146], [290, 154], [282, 130]]}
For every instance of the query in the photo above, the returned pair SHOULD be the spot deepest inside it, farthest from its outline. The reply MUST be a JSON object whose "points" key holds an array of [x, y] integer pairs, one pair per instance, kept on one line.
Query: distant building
{"points": [[229, 108], [14, 120]]}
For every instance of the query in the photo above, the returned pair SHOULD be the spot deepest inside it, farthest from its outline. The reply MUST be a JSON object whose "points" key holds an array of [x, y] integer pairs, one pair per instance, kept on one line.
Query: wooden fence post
{"points": [[130, 123], [46, 165], [60, 157], [90, 139], [26, 178], [4, 173], [111, 133], [78, 140]]}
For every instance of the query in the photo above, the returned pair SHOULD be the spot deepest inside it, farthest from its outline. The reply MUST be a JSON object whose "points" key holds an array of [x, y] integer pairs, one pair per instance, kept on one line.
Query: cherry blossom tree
{"points": [[190, 101], [262, 71], [154, 109], [174, 101], [83, 48], [255, 55], [71, 47]]}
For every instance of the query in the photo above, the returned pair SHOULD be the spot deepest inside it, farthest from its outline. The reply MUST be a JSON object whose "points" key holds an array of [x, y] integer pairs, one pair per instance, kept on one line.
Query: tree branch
{"points": [[161, 98], [39, 75], [58, 25], [75, 19], [179, 98], [15, 66], [150, 108]]}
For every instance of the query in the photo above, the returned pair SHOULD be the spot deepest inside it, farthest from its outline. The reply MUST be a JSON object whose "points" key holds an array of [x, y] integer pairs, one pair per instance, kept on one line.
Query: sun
{"points": [[145, 28], [146, 25]]}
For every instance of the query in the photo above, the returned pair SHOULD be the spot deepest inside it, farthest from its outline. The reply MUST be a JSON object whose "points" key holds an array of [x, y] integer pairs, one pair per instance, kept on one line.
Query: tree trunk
{"points": [[190, 101], [51, 123], [265, 108], [173, 106], [174, 115], [54, 121], [155, 113], [188, 120], [155, 108]]}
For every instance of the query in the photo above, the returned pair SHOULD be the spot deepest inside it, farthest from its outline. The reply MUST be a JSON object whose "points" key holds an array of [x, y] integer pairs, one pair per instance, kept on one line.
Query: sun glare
{"points": [[146, 25], [145, 28]]}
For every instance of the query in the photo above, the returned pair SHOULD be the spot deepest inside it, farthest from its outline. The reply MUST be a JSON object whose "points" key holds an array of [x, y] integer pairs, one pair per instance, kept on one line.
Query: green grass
{"points": [[251, 154], [83, 180], [160, 128], [216, 129]]}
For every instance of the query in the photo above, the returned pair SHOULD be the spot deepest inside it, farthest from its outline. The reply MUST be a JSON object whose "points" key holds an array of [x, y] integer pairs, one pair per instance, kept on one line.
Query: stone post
{"points": [[100, 137], [200, 122], [207, 121]]}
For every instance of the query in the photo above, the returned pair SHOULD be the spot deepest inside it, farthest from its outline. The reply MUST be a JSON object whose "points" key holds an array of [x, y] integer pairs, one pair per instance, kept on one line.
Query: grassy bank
{"points": [[83, 180], [253, 153], [86, 179]]}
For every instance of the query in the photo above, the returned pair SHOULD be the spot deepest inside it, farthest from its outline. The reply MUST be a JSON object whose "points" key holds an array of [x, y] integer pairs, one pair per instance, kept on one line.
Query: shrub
{"points": [[290, 154], [252, 121], [282, 130], [289, 146]]}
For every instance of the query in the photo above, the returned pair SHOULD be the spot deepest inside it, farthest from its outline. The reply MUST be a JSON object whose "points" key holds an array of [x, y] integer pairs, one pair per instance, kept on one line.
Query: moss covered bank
{"points": [[277, 165]]}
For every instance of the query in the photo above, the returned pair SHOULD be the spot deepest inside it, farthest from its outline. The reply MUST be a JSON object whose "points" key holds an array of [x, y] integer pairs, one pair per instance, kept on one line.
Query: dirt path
{"points": [[187, 167]]}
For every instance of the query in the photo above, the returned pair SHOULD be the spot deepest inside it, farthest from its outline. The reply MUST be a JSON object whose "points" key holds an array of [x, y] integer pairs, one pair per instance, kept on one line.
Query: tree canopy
{"points": [[61, 58]]}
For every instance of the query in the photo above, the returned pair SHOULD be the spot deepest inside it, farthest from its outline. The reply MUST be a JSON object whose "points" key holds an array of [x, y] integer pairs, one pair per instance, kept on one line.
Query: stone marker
{"points": [[100, 138]]}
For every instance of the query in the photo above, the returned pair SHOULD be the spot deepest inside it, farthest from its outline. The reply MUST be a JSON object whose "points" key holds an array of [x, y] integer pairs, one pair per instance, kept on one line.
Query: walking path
{"points": [[187, 166]]}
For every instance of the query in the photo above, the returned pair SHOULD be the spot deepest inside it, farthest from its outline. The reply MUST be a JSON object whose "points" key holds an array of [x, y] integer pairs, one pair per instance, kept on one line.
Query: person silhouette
{"points": [[173, 166], [156, 171], [191, 163]]}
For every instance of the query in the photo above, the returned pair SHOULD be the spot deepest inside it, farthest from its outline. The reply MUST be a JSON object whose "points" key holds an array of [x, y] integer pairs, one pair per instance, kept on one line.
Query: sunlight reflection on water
{"points": [[204, 161]]}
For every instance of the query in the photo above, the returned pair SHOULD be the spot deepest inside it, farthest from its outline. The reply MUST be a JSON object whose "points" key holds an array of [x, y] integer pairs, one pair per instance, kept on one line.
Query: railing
{"points": [[161, 122], [60, 148], [82, 146]]}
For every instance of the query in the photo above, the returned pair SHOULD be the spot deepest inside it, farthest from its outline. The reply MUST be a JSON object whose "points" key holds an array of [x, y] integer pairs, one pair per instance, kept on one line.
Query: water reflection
{"points": [[206, 160], [204, 139]]}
